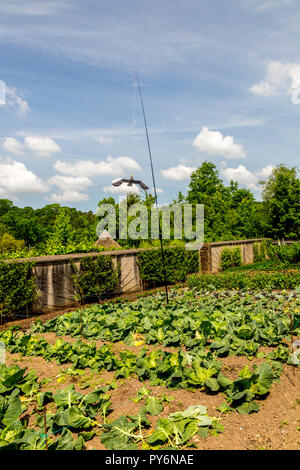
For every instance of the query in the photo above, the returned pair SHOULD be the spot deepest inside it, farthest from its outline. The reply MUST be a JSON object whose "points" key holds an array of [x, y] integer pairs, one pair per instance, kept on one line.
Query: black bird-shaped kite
{"points": [[130, 182]]}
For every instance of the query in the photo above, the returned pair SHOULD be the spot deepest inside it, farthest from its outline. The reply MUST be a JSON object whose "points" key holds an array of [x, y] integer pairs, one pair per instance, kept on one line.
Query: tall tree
{"points": [[281, 197], [62, 234], [204, 182]]}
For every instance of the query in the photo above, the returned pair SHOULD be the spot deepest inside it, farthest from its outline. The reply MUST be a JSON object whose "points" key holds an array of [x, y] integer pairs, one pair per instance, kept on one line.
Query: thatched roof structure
{"points": [[106, 240]]}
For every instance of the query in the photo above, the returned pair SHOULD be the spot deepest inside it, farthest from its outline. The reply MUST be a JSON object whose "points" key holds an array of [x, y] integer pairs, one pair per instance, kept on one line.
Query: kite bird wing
{"points": [[119, 182], [130, 182], [142, 185]]}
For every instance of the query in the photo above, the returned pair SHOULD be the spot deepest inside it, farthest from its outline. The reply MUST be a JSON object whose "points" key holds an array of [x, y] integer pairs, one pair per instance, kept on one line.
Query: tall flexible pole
{"points": [[155, 193]]}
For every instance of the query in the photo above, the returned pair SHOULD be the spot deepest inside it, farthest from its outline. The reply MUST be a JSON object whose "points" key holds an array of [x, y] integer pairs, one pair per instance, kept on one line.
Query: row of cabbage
{"points": [[75, 419], [226, 323]]}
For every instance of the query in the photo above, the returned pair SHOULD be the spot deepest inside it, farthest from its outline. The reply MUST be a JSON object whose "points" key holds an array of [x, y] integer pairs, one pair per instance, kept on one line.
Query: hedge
{"points": [[260, 250], [17, 287], [179, 263], [231, 257], [241, 280], [96, 277], [285, 253]]}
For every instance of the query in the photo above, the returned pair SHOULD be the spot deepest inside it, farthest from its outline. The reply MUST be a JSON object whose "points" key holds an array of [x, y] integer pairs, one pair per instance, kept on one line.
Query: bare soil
{"points": [[275, 426]]}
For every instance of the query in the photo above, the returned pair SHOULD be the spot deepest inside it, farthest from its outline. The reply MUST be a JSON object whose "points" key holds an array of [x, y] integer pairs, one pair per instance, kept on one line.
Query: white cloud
{"points": [[214, 143], [265, 172], [70, 188], [15, 178], [105, 140], [111, 166], [42, 146], [15, 101], [280, 79], [178, 173], [69, 182], [241, 175], [68, 196], [12, 145], [246, 177]]}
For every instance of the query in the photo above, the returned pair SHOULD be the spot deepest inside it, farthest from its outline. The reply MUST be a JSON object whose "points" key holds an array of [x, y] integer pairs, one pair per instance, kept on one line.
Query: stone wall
{"points": [[210, 254], [54, 283], [53, 273]]}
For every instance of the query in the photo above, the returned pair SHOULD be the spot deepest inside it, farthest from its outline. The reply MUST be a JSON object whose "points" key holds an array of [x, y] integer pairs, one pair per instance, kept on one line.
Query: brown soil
{"points": [[273, 427]]}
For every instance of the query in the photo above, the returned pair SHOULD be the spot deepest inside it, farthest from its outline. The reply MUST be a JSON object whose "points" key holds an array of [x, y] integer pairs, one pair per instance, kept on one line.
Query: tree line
{"points": [[230, 212]]}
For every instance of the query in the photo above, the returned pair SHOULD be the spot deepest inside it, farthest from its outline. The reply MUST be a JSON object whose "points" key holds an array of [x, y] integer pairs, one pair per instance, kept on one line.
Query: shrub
{"points": [[260, 251], [285, 253], [179, 263], [8, 243], [17, 287], [231, 257], [95, 278], [240, 280]]}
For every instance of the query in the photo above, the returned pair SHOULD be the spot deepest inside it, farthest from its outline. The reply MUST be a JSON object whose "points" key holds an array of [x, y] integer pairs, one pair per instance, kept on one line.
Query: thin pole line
{"points": [[155, 193]]}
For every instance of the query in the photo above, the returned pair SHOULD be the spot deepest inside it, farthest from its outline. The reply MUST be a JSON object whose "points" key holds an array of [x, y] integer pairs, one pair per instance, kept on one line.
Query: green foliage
{"points": [[179, 263], [13, 383], [176, 430], [17, 287], [260, 251], [74, 412], [225, 324], [61, 233], [286, 253], [179, 427], [229, 212], [240, 280], [8, 243], [204, 327], [231, 257], [205, 181], [36, 227], [248, 386], [124, 433], [96, 277], [13, 377], [281, 196], [152, 405]]}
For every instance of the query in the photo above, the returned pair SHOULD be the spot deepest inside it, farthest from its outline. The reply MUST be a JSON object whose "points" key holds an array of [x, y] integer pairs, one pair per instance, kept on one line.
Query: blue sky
{"points": [[220, 82]]}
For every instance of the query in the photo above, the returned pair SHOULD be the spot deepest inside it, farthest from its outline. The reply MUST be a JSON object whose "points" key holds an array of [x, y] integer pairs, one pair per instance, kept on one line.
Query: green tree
{"points": [[281, 197], [62, 234], [204, 182], [207, 188], [5, 206], [23, 224]]}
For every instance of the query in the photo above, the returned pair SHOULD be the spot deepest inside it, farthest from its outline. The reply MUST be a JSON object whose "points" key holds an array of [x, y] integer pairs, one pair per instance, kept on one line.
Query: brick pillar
{"points": [[205, 261]]}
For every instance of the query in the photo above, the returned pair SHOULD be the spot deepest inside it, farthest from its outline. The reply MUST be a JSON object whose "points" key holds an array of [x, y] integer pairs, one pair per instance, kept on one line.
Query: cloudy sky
{"points": [[220, 82]]}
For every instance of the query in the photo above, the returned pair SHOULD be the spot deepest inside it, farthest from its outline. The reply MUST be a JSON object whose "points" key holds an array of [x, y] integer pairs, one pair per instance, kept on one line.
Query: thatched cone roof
{"points": [[106, 240]]}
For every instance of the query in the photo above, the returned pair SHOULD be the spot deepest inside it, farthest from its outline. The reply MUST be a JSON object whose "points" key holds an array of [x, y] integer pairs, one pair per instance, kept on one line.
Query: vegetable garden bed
{"points": [[209, 371]]}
